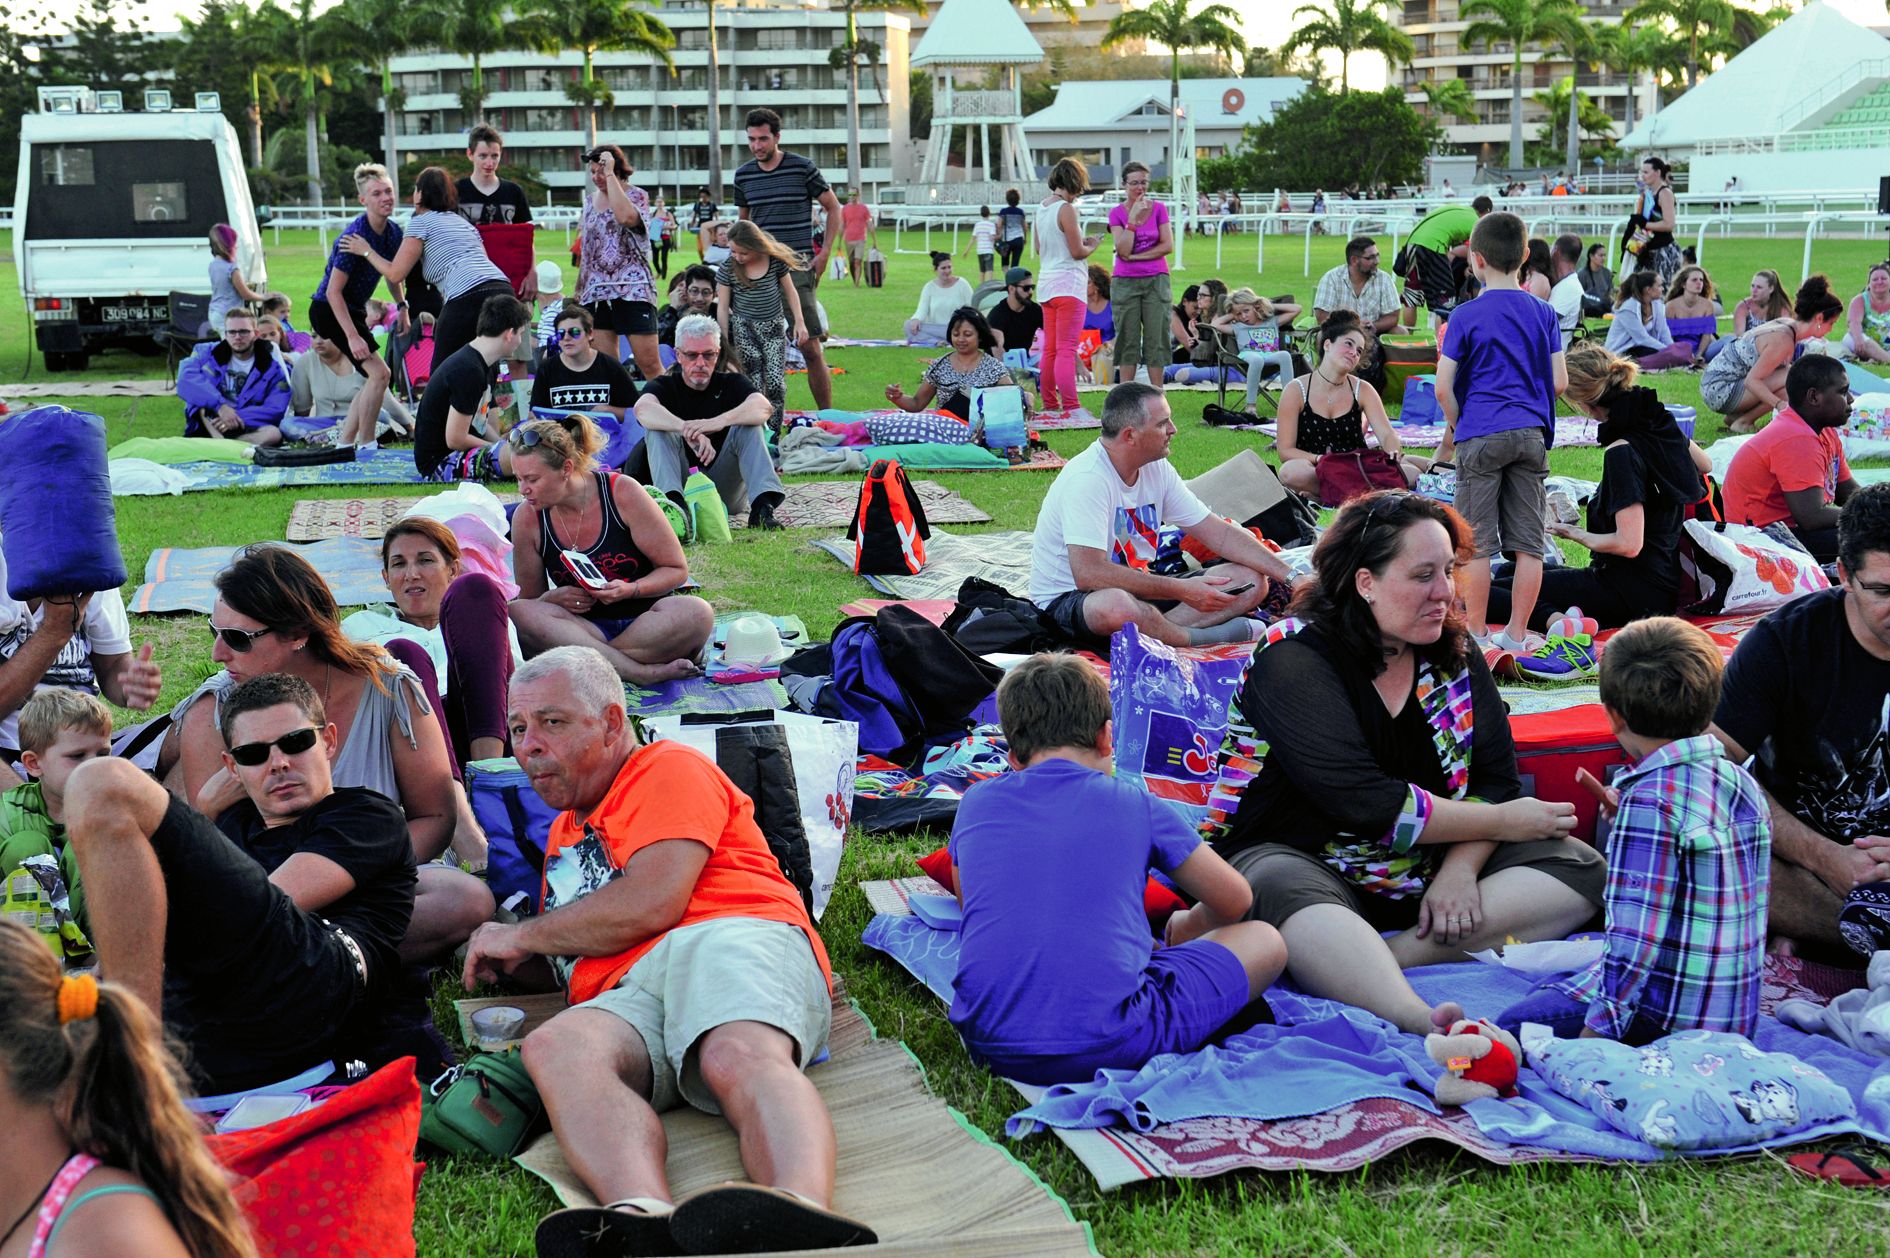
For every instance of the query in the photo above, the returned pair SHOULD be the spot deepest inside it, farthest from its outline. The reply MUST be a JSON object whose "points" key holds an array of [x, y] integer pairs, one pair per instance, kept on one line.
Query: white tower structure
{"points": [[976, 34]]}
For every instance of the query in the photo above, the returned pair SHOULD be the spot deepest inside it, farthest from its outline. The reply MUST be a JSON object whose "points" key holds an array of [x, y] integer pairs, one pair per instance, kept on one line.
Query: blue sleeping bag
{"points": [[58, 529]]}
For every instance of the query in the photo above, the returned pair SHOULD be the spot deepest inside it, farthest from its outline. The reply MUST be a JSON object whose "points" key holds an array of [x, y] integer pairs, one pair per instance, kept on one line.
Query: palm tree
{"points": [[473, 28], [590, 27], [1697, 19], [261, 34], [1517, 22], [1580, 41], [715, 109], [1747, 27], [1587, 113], [1633, 49], [1349, 26], [1168, 22], [318, 50], [378, 31], [1450, 96], [851, 52]]}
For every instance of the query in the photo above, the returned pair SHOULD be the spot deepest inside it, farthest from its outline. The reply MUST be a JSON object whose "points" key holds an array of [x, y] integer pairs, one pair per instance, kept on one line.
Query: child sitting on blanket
{"points": [[59, 731], [1689, 856], [1058, 976]]}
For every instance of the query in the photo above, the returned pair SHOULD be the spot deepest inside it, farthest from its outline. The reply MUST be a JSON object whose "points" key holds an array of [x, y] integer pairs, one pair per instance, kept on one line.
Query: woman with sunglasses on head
{"points": [[101, 1155], [578, 378], [275, 614], [581, 523], [616, 274], [1388, 797]]}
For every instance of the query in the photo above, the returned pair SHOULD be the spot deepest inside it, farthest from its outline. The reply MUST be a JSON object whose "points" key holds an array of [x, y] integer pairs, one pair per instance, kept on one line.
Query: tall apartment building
{"points": [[1436, 28], [772, 54]]}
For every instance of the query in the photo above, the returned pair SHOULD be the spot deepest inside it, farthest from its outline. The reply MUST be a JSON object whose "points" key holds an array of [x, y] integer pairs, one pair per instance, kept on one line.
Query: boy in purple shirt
{"points": [[1058, 976], [1498, 375], [1689, 857]]}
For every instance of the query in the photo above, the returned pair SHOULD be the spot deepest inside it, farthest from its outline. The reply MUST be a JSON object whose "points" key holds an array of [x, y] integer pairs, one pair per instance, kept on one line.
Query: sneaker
{"points": [[1561, 658], [761, 516]]}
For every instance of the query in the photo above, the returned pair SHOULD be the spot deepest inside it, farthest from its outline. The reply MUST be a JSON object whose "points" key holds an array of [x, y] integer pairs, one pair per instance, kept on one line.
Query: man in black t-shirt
{"points": [[485, 199], [714, 420], [577, 377], [1807, 694], [445, 447], [269, 941], [1018, 318]]}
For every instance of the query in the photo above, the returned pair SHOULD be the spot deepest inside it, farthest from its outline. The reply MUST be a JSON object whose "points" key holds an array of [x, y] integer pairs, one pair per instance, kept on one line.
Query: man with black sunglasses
{"points": [[1018, 318], [268, 941]]}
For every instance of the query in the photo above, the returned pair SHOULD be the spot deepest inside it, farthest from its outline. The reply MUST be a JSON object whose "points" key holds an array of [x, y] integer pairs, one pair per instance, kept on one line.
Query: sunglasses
{"points": [[1026, 288], [238, 640], [571, 334], [293, 743]]}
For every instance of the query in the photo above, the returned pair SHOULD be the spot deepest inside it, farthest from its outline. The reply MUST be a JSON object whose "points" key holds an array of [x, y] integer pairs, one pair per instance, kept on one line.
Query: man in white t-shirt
{"points": [[1099, 529], [1565, 261], [84, 646]]}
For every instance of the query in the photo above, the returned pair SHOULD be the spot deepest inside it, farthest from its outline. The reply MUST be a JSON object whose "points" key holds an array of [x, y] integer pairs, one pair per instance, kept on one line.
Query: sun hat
{"points": [[550, 279], [754, 640]]}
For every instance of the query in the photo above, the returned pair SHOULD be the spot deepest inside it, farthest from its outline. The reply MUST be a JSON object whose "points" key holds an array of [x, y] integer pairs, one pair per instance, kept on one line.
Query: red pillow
{"points": [[335, 1180], [1157, 900]]}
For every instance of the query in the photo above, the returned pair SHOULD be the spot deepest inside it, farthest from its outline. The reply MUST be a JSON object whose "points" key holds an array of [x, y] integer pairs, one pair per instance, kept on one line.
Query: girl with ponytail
{"points": [[102, 1156], [1746, 381]]}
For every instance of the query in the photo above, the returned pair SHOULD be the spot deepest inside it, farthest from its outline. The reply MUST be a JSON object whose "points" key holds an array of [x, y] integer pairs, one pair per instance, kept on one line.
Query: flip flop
{"points": [[739, 1218], [1848, 1165], [604, 1232]]}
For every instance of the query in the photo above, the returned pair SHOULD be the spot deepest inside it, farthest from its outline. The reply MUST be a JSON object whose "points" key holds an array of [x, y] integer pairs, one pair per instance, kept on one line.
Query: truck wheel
{"points": [[68, 361]]}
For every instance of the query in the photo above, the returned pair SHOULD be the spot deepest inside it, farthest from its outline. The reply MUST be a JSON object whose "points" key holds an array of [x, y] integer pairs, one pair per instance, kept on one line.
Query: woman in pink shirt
{"points": [[1140, 293]]}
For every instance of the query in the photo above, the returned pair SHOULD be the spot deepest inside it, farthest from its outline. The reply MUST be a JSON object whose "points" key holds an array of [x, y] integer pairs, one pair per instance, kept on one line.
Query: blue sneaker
{"points": [[1561, 658]]}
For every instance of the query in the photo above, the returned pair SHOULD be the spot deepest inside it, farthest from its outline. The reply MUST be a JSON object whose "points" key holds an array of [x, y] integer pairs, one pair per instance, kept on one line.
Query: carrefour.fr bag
{"points": [[798, 771], [1734, 568], [58, 529], [889, 526], [1170, 707]]}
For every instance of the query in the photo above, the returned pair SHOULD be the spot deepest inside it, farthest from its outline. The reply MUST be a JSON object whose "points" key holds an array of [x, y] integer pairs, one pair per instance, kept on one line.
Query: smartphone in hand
{"points": [[585, 572]]}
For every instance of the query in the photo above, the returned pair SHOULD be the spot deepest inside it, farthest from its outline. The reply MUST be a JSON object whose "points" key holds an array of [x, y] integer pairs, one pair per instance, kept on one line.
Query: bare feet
{"points": [[1783, 947], [1446, 1015], [1740, 425], [656, 674]]}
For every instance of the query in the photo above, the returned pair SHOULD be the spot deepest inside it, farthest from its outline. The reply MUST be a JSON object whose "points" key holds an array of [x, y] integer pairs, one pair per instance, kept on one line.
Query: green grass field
{"points": [[1421, 1202]]}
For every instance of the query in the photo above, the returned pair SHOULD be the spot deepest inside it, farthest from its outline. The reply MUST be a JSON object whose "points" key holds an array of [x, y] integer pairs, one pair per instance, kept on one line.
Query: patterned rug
{"points": [[315, 519], [830, 504], [1569, 431], [1063, 421], [1003, 559]]}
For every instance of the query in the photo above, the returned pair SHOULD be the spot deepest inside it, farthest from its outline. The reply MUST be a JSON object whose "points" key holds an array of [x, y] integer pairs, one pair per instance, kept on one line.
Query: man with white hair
{"points": [[694, 975], [698, 416]]}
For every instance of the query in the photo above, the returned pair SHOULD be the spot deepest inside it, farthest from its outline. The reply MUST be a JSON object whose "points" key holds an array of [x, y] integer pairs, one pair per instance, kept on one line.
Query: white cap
{"points": [[550, 278]]}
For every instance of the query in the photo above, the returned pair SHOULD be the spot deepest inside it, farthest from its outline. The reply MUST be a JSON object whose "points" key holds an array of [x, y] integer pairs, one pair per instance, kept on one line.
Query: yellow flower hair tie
{"points": [[78, 998]]}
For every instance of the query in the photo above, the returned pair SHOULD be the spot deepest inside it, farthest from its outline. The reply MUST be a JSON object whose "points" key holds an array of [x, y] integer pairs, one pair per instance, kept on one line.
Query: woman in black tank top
{"points": [[1307, 432], [576, 517]]}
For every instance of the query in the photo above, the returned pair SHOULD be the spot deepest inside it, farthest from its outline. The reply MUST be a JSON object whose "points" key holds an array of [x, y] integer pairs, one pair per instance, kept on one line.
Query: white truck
{"points": [[113, 214]]}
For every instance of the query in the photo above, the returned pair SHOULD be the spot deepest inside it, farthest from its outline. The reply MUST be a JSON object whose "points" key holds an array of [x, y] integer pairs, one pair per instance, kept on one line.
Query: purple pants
{"points": [[478, 664]]}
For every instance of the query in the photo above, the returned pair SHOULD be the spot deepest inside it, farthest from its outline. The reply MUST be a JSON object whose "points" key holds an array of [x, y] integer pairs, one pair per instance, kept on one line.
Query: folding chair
{"points": [[188, 328], [1225, 358]]}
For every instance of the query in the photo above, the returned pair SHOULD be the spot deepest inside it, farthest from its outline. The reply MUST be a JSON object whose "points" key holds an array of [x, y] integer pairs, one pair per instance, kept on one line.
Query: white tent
{"points": [[1802, 69]]}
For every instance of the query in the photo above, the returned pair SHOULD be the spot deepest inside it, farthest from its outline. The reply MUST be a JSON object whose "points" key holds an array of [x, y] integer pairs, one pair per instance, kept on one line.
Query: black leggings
{"points": [[1563, 588], [458, 320], [1010, 252]]}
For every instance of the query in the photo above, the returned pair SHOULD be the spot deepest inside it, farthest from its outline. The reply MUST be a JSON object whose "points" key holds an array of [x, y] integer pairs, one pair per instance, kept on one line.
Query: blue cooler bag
{"points": [[518, 828], [58, 529], [1420, 401]]}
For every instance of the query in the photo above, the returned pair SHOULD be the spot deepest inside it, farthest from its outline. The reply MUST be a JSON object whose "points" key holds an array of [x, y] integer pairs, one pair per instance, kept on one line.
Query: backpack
{"points": [[889, 529], [518, 828], [864, 692], [903, 681], [989, 620]]}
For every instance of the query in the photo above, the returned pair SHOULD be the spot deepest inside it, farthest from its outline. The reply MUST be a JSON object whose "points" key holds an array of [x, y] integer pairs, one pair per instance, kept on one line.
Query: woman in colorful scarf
{"points": [[1369, 780]]}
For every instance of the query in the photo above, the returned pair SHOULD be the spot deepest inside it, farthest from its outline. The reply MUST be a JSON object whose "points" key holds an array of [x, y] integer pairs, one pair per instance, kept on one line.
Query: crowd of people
{"points": [[277, 883]]}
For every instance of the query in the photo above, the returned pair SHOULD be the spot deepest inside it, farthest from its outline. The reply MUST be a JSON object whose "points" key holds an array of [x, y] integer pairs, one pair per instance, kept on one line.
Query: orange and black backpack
{"points": [[889, 529]]}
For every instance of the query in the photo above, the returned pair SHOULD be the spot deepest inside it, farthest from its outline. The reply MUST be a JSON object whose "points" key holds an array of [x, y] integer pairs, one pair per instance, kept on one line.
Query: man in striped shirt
{"points": [[1688, 855], [778, 191]]}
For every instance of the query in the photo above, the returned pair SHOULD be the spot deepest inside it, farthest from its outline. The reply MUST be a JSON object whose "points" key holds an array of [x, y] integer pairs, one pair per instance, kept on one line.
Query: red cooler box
{"points": [[1551, 746]]}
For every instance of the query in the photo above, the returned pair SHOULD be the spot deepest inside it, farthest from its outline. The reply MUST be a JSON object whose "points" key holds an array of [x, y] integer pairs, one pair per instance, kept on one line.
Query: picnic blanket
{"points": [[378, 467], [1569, 431], [1318, 1094], [1003, 559], [180, 580], [828, 504], [90, 388], [316, 519], [701, 694], [1063, 421], [914, 1169]]}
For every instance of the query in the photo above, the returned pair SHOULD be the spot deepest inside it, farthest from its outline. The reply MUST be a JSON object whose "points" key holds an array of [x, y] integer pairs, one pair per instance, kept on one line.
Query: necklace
{"points": [[34, 1204], [1328, 379]]}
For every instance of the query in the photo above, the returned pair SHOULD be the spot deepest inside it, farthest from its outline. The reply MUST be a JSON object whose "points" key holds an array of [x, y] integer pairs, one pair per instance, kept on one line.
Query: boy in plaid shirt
{"points": [[1688, 857]]}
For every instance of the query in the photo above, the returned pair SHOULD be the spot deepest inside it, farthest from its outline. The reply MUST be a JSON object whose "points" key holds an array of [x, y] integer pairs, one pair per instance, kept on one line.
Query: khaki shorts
{"points": [[697, 978], [1287, 879], [1500, 491], [806, 284], [856, 250]]}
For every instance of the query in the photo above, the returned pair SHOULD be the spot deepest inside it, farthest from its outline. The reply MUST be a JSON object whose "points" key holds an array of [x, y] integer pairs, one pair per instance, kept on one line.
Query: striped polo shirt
{"points": [[779, 201]]}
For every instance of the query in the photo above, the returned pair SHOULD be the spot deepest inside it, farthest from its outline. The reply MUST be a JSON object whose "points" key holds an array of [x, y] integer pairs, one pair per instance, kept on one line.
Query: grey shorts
{"points": [[1723, 391], [807, 285], [697, 978], [1287, 879], [1500, 490]]}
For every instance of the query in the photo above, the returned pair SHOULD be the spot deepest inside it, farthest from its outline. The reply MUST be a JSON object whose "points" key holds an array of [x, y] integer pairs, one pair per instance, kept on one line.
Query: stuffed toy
{"points": [[1481, 1059]]}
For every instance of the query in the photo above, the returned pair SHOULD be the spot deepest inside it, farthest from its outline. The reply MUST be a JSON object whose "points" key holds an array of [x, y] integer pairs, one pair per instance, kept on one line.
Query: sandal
{"points": [[737, 1218], [1849, 1164], [608, 1231]]}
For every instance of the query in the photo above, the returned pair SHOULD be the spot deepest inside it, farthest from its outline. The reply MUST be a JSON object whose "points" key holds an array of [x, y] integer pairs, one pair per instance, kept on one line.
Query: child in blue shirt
{"points": [[1058, 975], [1498, 375]]}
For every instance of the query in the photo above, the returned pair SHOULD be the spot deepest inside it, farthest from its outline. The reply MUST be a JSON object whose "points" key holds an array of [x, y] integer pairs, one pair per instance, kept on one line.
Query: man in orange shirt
{"points": [[694, 976], [1794, 469]]}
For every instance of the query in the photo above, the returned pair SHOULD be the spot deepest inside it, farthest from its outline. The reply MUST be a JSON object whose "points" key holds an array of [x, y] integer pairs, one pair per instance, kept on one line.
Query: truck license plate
{"points": [[140, 314]]}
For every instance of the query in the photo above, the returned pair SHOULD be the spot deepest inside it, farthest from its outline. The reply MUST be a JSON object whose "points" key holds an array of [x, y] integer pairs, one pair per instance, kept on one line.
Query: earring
{"points": [[1368, 598]]}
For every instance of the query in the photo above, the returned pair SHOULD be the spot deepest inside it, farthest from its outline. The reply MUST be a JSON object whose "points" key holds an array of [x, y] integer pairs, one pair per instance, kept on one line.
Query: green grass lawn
{"points": [[1421, 1202]]}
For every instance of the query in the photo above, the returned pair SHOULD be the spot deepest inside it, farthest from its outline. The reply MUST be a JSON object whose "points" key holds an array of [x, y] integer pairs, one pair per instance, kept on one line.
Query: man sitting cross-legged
{"points": [[269, 940], [1098, 531], [694, 975]]}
